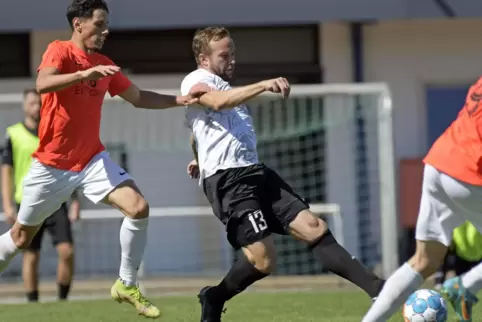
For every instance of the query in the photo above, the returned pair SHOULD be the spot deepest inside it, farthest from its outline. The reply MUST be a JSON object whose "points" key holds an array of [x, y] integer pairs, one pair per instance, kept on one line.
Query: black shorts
{"points": [[252, 202], [57, 225], [462, 266]]}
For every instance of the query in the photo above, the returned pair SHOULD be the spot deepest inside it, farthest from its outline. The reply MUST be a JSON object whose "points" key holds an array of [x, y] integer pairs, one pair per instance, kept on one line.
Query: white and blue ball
{"points": [[425, 306]]}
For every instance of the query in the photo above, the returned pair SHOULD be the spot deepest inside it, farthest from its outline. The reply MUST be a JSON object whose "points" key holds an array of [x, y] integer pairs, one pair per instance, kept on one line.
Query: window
{"points": [[151, 51], [261, 52], [15, 55]]}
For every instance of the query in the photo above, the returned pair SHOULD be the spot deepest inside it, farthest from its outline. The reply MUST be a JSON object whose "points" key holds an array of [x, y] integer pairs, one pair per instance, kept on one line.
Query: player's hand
{"points": [[74, 216], [74, 211], [277, 85], [10, 215], [99, 72], [194, 94], [199, 90], [193, 169]]}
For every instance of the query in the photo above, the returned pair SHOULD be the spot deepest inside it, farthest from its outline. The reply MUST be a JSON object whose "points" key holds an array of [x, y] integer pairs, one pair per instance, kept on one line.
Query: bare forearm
{"points": [[75, 206], [152, 100], [7, 187], [220, 100], [194, 147], [54, 83]]}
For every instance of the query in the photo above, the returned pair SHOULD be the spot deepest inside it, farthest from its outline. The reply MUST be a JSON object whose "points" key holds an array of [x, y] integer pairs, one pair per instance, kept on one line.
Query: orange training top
{"points": [[69, 128], [458, 151]]}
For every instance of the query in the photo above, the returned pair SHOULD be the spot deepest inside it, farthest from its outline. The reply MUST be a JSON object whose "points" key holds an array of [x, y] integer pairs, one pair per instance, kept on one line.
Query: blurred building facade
{"points": [[412, 57]]}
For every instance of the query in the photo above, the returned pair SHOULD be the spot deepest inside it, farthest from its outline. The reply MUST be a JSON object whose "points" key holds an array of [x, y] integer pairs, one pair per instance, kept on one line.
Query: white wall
{"points": [[408, 55]]}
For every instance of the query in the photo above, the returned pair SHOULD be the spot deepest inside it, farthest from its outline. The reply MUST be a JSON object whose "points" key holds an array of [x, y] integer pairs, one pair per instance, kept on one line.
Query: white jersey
{"points": [[225, 139]]}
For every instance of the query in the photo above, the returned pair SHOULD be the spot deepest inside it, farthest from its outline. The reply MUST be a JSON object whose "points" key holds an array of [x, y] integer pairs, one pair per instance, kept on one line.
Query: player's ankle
{"points": [[127, 282], [32, 296], [63, 291]]}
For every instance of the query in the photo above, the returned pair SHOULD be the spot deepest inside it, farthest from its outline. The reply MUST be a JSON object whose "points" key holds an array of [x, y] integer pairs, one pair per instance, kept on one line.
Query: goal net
{"points": [[332, 143]]}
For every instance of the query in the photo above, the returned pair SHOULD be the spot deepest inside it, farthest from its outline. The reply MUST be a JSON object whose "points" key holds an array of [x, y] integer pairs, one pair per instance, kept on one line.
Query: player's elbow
{"points": [[215, 101], [137, 104], [217, 104], [40, 89], [40, 86]]}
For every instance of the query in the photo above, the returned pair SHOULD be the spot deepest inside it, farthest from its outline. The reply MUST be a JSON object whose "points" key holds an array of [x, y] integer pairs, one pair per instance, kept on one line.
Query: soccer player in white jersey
{"points": [[249, 198]]}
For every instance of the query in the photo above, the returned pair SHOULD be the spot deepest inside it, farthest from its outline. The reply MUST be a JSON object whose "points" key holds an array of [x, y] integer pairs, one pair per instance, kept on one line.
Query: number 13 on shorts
{"points": [[257, 220]]}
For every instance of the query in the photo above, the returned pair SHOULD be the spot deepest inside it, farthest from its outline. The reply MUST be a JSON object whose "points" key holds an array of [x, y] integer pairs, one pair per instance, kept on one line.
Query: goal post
{"points": [[333, 143]]}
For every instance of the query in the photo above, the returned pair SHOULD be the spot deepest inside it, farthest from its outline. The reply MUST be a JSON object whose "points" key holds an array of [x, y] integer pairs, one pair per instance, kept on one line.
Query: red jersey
{"points": [[69, 128], [458, 151]]}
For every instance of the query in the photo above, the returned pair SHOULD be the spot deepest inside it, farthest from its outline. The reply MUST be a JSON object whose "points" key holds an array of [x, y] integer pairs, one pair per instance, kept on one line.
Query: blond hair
{"points": [[202, 38]]}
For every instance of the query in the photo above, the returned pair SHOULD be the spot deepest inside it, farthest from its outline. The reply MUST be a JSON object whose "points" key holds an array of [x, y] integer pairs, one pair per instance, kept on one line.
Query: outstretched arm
{"points": [[219, 100], [151, 100], [49, 80]]}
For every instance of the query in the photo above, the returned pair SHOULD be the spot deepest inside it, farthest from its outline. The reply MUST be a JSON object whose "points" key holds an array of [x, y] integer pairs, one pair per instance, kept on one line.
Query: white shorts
{"points": [[46, 188], [446, 203]]}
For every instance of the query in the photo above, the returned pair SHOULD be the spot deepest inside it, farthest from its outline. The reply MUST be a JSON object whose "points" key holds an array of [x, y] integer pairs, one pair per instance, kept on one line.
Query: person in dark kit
{"points": [[21, 141]]}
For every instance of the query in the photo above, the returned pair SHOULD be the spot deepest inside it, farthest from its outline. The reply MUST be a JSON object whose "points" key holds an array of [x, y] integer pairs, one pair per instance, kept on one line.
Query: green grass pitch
{"points": [[249, 307]]}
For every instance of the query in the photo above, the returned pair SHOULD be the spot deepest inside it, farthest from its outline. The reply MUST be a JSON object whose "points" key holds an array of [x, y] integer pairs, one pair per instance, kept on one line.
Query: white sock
{"points": [[472, 280], [395, 291], [133, 240], [8, 250]]}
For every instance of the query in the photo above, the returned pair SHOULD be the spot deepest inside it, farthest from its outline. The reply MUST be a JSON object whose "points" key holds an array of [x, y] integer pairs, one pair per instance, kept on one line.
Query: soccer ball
{"points": [[425, 306]]}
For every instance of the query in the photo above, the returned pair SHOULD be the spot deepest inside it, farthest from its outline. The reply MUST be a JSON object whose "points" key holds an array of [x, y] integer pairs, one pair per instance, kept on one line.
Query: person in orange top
{"points": [[73, 79], [451, 195]]}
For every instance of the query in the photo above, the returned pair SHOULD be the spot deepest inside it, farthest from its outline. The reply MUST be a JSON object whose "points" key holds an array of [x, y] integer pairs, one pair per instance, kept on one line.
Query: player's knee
{"points": [[425, 263], [139, 209], [308, 227], [65, 251], [264, 259], [23, 236], [264, 263]]}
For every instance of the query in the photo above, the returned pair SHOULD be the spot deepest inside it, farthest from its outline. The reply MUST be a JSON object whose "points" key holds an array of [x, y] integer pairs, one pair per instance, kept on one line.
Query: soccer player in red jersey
{"points": [[73, 79], [451, 195]]}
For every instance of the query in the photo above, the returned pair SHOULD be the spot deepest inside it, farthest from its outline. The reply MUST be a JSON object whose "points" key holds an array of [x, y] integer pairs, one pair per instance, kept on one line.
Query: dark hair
{"points": [[84, 9], [29, 91]]}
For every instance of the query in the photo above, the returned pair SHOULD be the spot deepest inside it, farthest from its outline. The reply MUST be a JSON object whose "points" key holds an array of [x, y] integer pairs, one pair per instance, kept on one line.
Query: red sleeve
{"points": [[54, 56], [119, 83]]}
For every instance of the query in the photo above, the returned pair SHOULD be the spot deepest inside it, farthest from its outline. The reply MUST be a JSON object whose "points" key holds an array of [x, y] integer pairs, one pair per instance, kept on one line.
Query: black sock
{"points": [[337, 260], [241, 275], [32, 296], [63, 291]]}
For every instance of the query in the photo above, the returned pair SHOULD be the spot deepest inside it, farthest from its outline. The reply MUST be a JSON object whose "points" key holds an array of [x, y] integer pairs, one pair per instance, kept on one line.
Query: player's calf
{"points": [[133, 238], [406, 280], [31, 259], [306, 226], [133, 232], [258, 262], [65, 269]]}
